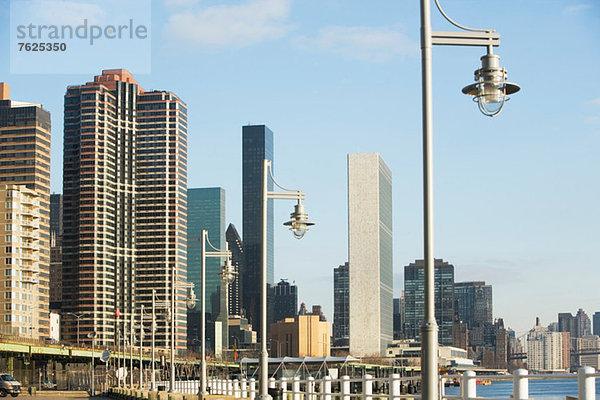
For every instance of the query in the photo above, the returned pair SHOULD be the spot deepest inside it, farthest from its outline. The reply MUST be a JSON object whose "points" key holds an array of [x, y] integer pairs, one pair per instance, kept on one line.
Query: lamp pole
{"points": [[203, 255], [78, 317], [141, 345], [490, 91], [298, 225], [92, 336], [153, 380]]}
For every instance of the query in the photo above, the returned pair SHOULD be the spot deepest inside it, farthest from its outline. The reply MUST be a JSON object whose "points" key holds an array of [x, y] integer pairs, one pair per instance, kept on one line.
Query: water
{"points": [[553, 389]]}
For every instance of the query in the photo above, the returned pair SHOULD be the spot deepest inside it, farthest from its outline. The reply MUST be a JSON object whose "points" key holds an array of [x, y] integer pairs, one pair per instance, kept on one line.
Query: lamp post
{"points": [[227, 268], [491, 92], [298, 225], [78, 317], [92, 336]]}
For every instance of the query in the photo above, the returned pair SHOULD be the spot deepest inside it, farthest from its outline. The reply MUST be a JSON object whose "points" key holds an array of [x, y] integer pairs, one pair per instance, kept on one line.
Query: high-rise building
{"points": [[257, 145], [596, 323], [20, 216], [444, 299], [56, 234], [566, 323], [370, 254], [399, 312], [583, 325], [544, 349], [341, 306], [473, 302], [206, 211], [237, 260], [124, 206], [25, 160], [285, 299]]}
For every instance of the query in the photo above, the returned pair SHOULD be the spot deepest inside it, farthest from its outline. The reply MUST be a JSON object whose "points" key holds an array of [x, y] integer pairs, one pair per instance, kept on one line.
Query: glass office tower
{"points": [[257, 145]]}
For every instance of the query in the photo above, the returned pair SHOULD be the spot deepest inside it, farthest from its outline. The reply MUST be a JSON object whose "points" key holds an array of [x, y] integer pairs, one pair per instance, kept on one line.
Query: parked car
{"points": [[9, 385]]}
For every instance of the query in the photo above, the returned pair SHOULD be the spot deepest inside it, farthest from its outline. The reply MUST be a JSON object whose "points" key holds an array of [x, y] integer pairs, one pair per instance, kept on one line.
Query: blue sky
{"points": [[515, 196]]}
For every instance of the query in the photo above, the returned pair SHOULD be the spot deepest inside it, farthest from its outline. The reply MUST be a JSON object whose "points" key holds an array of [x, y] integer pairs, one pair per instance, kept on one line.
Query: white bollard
{"points": [[310, 388], [252, 389], [229, 387], [394, 386], [520, 384], [244, 388], [586, 384], [326, 388], [271, 383], [468, 385], [296, 388], [367, 387], [345, 386], [236, 389], [283, 387]]}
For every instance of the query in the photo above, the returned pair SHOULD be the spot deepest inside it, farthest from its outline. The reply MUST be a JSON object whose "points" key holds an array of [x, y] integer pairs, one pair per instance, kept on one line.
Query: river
{"points": [[549, 389]]}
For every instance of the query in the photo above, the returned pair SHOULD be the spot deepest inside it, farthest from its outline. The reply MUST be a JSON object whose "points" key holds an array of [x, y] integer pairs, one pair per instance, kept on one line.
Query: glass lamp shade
{"points": [[298, 222], [490, 89]]}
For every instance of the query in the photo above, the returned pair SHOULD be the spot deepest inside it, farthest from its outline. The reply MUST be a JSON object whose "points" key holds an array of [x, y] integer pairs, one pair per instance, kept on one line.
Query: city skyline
{"points": [[513, 197]]}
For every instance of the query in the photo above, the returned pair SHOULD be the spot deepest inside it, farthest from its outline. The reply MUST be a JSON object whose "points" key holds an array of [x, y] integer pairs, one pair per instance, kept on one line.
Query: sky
{"points": [[515, 195]]}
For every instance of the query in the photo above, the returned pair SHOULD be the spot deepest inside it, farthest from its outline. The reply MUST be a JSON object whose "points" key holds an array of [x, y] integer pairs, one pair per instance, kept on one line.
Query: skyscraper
{"points": [[473, 301], [444, 299], [285, 299], [56, 234], [596, 323], [583, 325], [206, 211], [237, 260], [257, 145], [341, 305], [124, 206], [399, 313], [25, 160], [370, 254]]}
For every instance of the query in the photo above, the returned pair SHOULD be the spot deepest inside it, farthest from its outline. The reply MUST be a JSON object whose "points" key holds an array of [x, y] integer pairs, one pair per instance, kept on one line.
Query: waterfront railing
{"points": [[393, 387]]}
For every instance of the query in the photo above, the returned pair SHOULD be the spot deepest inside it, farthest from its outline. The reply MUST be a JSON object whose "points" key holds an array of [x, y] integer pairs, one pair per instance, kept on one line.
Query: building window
{"points": [[8, 261], [7, 318]]}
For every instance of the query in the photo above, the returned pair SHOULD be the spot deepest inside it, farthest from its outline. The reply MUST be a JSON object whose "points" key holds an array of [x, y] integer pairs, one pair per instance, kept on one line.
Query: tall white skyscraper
{"points": [[370, 254]]}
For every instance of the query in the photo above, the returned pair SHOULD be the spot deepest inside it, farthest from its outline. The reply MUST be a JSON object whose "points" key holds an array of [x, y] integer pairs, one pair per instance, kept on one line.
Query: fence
{"points": [[393, 388]]}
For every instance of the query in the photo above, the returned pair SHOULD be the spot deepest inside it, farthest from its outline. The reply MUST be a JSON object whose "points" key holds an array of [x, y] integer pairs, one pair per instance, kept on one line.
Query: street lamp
{"points": [[190, 301], [226, 271], [92, 336], [78, 317], [298, 225], [490, 91]]}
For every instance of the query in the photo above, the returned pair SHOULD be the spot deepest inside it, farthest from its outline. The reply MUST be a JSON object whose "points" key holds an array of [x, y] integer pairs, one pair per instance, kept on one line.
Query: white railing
{"points": [[394, 387]]}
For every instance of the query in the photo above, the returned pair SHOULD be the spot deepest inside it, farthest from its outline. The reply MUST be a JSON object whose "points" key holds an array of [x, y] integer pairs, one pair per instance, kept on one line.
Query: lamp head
{"points": [[298, 222], [190, 300], [91, 335], [228, 272], [490, 90]]}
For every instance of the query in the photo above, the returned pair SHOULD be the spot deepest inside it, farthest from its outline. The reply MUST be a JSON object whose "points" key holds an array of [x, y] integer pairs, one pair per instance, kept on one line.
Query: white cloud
{"points": [[363, 43], [181, 3], [595, 102], [232, 25], [577, 8]]}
